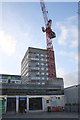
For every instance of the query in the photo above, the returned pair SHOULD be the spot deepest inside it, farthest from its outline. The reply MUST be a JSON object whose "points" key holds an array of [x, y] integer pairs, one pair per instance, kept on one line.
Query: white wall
{"points": [[53, 101]]}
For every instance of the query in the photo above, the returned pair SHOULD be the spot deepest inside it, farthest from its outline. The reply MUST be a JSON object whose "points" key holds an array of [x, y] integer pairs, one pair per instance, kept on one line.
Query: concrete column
{"points": [[6, 105], [27, 103], [43, 104], [17, 104]]}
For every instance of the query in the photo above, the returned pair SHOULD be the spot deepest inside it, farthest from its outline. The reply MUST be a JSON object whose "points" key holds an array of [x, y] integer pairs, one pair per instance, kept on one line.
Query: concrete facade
{"points": [[22, 89], [34, 66]]}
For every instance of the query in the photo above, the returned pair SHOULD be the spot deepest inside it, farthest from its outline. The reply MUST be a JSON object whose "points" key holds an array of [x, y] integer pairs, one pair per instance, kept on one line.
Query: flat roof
{"points": [[72, 86], [10, 75]]}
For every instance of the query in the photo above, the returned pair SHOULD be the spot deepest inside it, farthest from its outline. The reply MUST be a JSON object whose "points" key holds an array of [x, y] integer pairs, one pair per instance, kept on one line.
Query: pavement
{"points": [[61, 115]]}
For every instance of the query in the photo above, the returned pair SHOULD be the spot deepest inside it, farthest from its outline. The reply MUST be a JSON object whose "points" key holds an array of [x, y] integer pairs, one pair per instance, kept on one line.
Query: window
{"points": [[18, 81], [42, 55], [34, 58], [4, 77], [12, 81], [35, 68], [38, 78], [46, 64], [37, 54], [42, 63], [38, 73], [42, 73], [42, 59], [45, 59], [35, 78], [38, 82], [42, 68], [4, 81], [47, 78], [46, 68], [43, 78], [46, 73], [43, 83], [36, 63]]}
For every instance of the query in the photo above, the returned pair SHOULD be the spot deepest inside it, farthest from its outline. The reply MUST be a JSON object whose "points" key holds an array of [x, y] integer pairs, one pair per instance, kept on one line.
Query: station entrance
{"points": [[22, 104], [35, 103], [11, 104]]}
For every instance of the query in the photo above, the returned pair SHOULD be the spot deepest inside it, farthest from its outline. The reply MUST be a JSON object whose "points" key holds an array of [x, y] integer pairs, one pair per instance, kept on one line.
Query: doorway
{"points": [[22, 104], [11, 104], [35, 103]]}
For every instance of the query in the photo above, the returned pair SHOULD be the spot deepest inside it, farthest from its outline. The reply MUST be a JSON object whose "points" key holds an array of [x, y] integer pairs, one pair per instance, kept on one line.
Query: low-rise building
{"points": [[6, 78], [72, 96], [19, 97]]}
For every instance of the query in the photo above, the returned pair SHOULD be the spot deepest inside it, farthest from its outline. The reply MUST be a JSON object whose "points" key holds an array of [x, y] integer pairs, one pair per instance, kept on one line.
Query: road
{"points": [[67, 115]]}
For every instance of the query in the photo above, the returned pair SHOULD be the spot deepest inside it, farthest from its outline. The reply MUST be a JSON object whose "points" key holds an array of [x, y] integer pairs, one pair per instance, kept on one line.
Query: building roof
{"points": [[10, 75], [72, 86]]}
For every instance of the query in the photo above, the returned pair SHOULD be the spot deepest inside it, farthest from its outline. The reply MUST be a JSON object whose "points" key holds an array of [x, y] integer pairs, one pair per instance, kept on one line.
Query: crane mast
{"points": [[49, 36]]}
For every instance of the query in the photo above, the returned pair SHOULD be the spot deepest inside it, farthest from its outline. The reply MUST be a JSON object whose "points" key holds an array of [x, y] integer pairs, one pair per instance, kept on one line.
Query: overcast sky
{"points": [[20, 28]]}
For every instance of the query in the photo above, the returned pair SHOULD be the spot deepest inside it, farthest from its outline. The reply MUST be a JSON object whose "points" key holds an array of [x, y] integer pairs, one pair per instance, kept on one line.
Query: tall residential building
{"points": [[34, 68]]}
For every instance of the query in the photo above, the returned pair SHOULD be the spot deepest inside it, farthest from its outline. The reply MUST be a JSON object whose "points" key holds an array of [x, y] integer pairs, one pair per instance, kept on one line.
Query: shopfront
{"points": [[31, 103]]}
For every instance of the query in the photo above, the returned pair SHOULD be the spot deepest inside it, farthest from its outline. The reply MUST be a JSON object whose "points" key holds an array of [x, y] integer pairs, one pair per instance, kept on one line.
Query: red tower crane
{"points": [[49, 36]]}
